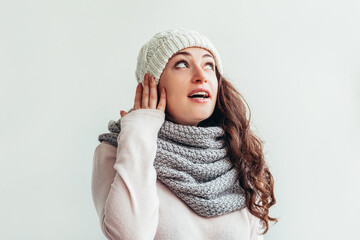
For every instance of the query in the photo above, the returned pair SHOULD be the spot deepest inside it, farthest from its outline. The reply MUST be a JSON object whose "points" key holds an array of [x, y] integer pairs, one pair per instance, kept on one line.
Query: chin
{"points": [[195, 120], [189, 116], [202, 117]]}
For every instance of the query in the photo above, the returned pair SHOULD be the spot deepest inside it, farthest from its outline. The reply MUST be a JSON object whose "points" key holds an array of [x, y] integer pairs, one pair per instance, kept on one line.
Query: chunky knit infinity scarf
{"points": [[192, 162]]}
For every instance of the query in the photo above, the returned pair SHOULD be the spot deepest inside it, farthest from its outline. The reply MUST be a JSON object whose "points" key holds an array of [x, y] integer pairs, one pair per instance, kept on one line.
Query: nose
{"points": [[199, 75]]}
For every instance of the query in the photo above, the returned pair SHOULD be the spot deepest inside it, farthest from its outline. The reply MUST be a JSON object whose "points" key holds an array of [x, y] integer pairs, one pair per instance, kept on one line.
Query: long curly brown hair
{"points": [[245, 150]]}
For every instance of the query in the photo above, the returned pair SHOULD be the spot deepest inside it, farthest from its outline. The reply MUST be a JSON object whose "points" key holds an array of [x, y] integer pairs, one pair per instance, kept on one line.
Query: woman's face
{"points": [[191, 85]]}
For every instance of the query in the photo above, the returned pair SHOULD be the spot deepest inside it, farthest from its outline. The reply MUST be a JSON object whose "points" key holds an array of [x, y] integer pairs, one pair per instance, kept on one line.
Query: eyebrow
{"points": [[188, 54]]}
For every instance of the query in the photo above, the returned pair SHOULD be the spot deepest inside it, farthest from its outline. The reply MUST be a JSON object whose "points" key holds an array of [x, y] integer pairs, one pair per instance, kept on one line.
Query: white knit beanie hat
{"points": [[155, 54]]}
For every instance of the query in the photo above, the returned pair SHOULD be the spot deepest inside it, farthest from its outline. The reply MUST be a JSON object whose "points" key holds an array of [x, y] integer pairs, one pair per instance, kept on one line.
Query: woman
{"points": [[183, 163]]}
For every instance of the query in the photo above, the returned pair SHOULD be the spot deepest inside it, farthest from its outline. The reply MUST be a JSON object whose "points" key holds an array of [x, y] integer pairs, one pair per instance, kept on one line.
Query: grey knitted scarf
{"points": [[192, 162]]}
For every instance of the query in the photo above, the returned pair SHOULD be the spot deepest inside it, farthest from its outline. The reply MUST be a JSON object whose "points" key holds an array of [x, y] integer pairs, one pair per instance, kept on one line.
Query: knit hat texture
{"points": [[155, 54]]}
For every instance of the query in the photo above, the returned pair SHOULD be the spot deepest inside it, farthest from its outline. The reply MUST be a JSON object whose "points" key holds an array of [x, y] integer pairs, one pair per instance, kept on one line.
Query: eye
{"points": [[210, 64], [180, 64]]}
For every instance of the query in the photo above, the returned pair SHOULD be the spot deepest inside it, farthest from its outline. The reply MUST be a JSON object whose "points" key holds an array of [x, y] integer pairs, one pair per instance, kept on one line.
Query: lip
{"points": [[198, 100], [200, 90]]}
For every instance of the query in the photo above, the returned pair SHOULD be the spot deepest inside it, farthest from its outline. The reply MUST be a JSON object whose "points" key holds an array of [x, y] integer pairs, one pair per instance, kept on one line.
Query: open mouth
{"points": [[199, 95]]}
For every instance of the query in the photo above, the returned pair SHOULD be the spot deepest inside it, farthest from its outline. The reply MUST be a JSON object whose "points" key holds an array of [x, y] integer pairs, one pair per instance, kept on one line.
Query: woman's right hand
{"points": [[147, 97]]}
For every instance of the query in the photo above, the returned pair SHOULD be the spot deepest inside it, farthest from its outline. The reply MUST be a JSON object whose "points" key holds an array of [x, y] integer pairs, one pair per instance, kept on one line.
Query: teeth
{"points": [[204, 94]]}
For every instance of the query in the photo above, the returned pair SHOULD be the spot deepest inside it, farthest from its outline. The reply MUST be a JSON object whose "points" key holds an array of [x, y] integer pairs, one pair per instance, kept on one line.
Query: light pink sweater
{"points": [[133, 204]]}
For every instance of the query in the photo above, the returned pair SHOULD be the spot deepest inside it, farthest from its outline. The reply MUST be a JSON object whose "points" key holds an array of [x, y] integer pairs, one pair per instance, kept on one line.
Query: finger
{"points": [[123, 113], [137, 100], [153, 93], [162, 102], [145, 93]]}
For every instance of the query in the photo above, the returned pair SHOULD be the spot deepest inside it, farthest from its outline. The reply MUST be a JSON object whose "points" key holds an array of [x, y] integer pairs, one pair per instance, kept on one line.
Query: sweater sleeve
{"points": [[124, 179], [256, 228]]}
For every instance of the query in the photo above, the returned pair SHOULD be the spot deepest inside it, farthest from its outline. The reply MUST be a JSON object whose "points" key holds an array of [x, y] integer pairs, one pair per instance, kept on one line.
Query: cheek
{"points": [[214, 87], [176, 98], [173, 89]]}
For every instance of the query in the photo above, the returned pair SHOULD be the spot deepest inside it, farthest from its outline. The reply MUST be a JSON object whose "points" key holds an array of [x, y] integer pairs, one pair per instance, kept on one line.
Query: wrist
{"points": [[142, 119]]}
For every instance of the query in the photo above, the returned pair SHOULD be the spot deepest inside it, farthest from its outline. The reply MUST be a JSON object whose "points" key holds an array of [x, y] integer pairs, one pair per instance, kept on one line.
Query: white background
{"points": [[67, 68]]}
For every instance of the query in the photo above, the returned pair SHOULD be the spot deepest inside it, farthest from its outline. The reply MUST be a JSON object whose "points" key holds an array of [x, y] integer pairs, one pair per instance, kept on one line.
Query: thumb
{"points": [[122, 113]]}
